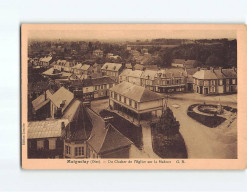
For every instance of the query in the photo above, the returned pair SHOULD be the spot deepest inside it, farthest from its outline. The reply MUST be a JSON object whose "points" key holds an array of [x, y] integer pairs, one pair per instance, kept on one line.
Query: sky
{"points": [[128, 32]]}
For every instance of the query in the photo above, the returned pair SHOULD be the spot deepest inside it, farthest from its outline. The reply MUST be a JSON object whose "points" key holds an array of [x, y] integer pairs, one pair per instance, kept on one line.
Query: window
{"points": [[112, 94], [168, 82], [52, 144], [227, 81], [95, 87], [221, 82], [40, 144], [79, 151], [120, 98], [125, 100], [233, 81], [115, 95], [110, 85], [136, 105], [130, 102], [67, 149]]}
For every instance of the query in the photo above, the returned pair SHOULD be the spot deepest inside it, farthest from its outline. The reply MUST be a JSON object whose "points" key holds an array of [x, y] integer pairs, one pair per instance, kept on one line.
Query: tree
{"points": [[168, 125]]}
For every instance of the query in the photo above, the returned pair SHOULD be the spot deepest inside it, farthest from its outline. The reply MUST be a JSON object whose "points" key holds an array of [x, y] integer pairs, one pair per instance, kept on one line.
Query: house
{"points": [[52, 73], [132, 76], [68, 66], [45, 138], [215, 81], [151, 67], [80, 69], [170, 80], [78, 131], [93, 88], [98, 53], [148, 79], [59, 65], [192, 64], [139, 67], [60, 100], [112, 70], [46, 61], [190, 80], [41, 106], [105, 140], [179, 63], [136, 101]]}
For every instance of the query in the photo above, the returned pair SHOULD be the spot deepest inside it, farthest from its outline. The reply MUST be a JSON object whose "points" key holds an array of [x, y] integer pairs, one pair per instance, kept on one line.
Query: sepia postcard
{"points": [[133, 96]]}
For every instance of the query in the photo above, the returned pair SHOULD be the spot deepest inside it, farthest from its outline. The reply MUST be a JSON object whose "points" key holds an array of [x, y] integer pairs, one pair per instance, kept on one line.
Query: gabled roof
{"points": [[46, 128], [191, 63], [149, 74], [230, 73], [111, 66], [178, 61], [52, 72], [46, 59], [125, 72], [105, 138], [171, 73], [85, 67], [134, 92], [40, 101], [129, 66], [135, 73], [62, 95]]}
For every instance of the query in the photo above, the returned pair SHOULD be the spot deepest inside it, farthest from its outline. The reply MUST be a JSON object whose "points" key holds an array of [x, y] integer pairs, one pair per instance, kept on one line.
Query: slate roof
{"points": [[45, 129], [205, 74], [150, 73], [62, 95], [94, 81], [134, 92], [111, 66], [51, 72], [171, 73], [105, 139], [215, 74], [40, 101], [80, 123]]}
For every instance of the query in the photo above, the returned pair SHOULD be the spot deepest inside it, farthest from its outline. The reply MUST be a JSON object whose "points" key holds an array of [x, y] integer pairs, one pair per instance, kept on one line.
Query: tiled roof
{"points": [[134, 92], [45, 129], [105, 139], [40, 101], [111, 66], [215, 74], [62, 95]]}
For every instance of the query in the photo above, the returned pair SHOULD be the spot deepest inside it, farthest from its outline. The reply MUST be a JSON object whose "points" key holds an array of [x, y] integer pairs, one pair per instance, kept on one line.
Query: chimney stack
{"points": [[220, 68], [212, 69], [198, 68]]}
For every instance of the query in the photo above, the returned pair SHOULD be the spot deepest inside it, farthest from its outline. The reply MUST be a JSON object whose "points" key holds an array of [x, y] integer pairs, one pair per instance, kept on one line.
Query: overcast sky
{"points": [[125, 32]]}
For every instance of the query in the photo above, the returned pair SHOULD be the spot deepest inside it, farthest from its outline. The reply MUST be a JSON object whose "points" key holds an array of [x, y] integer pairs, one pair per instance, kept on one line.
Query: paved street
{"points": [[201, 141]]}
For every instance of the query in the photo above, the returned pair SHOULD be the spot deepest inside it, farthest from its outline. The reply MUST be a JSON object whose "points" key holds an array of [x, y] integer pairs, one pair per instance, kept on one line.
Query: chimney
{"points": [[198, 68], [108, 120], [220, 68], [212, 69]]}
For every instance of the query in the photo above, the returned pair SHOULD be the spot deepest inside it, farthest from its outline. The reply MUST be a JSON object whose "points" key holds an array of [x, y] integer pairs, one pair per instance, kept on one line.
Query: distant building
{"points": [[112, 70], [105, 140], [46, 61], [52, 73], [98, 53], [138, 102], [182, 63], [59, 65], [215, 81], [132, 76]]}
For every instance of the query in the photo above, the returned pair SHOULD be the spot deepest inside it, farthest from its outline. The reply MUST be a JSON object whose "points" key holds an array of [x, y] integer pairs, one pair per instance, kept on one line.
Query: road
{"points": [[202, 141]]}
